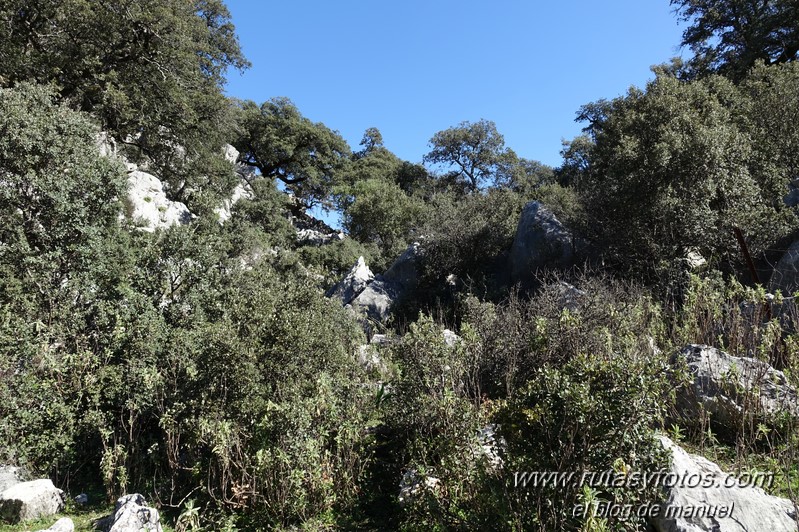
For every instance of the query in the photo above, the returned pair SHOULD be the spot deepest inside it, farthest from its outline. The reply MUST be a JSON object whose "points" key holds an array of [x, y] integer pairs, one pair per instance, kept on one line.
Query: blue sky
{"points": [[412, 68]]}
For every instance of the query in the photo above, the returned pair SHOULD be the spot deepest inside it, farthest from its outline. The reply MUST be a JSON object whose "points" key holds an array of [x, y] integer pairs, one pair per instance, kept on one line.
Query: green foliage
{"points": [[433, 414], [58, 193], [381, 199], [282, 144], [565, 203], [333, 260], [59, 204], [380, 212], [150, 71], [162, 362], [730, 36], [526, 177], [569, 389], [769, 116], [672, 171], [467, 236], [260, 221], [743, 321], [476, 153], [588, 415]]}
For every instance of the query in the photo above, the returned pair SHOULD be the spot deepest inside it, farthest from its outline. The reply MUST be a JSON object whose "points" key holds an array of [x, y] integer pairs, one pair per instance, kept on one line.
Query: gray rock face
{"points": [[353, 283], [729, 387], [786, 274], [450, 338], [541, 242], [147, 203], [9, 476], [738, 507], [64, 524], [31, 500], [132, 515], [376, 299]]}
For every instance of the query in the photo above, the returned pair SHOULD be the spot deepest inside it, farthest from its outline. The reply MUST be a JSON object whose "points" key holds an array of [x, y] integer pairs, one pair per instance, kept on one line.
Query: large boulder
{"points": [[9, 476], [729, 387], [31, 500], [356, 280], [785, 276], [131, 514], [148, 205], [400, 280], [701, 497], [541, 243]]}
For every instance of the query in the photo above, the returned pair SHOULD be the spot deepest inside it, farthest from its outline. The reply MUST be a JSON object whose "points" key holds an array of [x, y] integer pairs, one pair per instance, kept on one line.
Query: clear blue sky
{"points": [[412, 68]]}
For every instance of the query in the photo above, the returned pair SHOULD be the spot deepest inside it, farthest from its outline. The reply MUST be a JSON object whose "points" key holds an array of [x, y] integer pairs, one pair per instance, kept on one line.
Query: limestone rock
{"points": [[694, 260], [64, 524], [147, 203], [31, 500], [231, 154], [396, 283], [132, 514], [242, 191], [569, 296], [750, 508], [541, 242], [353, 283], [9, 476], [370, 360], [729, 387], [225, 211]]}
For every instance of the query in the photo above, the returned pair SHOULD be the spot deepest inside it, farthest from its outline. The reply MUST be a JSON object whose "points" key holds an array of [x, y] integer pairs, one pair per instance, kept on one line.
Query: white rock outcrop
{"points": [[353, 283], [147, 204], [728, 387], [489, 446], [317, 238], [242, 191], [725, 506], [31, 500], [376, 300], [132, 514]]}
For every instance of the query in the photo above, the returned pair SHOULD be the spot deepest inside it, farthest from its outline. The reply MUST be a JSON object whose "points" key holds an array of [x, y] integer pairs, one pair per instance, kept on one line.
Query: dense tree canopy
{"points": [[729, 36], [58, 196], [474, 152], [150, 71], [203, 366], [673, 168], [282, 144]]}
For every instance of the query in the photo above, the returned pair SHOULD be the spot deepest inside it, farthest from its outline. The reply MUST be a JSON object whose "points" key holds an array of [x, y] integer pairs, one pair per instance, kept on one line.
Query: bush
{"points": [[571, 383]]}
